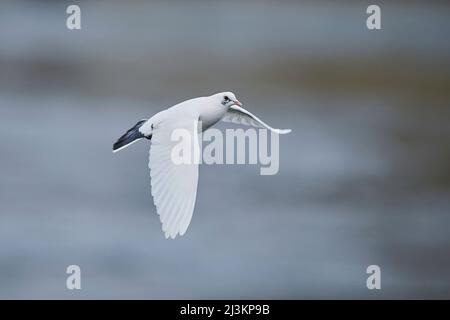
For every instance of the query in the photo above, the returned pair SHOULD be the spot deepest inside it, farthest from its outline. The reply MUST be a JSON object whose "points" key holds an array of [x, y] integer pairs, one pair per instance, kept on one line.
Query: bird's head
{"points": [[226, 99]]}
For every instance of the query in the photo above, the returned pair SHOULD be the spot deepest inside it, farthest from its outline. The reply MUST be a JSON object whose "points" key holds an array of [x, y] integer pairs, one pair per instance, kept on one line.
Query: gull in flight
{"points": [[174, 186]]}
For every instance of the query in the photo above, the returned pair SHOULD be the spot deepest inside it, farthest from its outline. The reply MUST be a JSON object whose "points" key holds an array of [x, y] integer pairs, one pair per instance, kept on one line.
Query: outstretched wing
{"points": [[239, 115], [174, 185]]}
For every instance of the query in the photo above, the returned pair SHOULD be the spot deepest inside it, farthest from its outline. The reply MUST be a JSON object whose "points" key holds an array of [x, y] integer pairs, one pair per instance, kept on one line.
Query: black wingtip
{"points": [[129, 137]]}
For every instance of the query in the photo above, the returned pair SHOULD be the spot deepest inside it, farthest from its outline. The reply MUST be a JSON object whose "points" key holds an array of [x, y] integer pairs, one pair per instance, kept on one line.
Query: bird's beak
{"points": [[238, 103]]}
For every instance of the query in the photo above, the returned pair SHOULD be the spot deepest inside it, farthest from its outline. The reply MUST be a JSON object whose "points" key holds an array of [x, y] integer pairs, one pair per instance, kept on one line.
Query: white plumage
{"points": [[174, 186]]}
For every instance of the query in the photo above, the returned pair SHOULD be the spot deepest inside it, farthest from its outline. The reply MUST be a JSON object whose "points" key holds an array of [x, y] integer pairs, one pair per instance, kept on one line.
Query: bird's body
{"points": [[194, 108], [174, 186]]}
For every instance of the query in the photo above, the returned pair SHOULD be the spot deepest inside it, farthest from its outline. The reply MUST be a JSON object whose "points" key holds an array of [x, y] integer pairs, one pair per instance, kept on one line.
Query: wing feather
{"points": [[174, 186], [239, 115]]}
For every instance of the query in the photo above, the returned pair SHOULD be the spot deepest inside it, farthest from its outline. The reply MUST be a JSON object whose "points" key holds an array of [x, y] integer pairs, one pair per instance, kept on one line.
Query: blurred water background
{"points": [[364, 177]]}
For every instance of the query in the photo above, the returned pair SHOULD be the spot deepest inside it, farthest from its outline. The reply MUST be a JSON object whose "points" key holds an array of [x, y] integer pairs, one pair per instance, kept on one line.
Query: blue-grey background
{"points": [[364, 176]]}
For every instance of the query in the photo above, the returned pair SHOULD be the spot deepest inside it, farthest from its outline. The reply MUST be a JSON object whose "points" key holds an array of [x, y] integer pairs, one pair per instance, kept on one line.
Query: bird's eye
{"points": [[226, 98]]}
